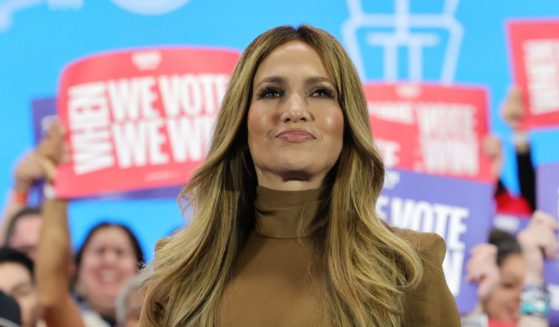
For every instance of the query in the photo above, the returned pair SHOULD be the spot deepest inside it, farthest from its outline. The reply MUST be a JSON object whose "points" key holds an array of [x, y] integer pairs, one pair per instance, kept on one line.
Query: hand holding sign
{"points": [[514, 114], [52, 149], [512, 110], [28, 171], [38, 165]]}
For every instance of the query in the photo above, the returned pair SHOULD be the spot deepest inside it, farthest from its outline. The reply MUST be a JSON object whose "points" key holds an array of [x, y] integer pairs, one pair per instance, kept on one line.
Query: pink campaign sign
{"points": [[534, 47], [139, 119], [431, 129]]}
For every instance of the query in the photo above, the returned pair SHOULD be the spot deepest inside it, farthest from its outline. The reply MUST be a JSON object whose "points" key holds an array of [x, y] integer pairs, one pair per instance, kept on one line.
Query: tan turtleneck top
{"points": [[274, 285]]}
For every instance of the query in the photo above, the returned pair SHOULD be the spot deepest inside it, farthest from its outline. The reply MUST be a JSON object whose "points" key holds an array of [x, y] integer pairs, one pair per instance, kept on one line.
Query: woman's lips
{"points": [[295, 136]]}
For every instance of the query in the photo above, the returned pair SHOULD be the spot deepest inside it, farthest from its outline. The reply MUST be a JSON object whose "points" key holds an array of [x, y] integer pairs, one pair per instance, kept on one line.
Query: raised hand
{"points": [[482, 269], [538, 241]]}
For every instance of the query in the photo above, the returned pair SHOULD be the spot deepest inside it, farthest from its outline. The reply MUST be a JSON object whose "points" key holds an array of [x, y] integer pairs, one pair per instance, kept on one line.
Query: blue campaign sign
{"points": [[462, 217], [438, 41], [548, 188], [548, 201]]}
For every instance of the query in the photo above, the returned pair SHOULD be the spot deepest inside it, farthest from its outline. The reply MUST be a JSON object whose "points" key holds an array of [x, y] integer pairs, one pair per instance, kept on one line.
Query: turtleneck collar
{"points": [[286, 214]]}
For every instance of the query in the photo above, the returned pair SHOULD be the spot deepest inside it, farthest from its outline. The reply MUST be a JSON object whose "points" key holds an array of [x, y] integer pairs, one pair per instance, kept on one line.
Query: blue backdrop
{"points": [[461, 42]]}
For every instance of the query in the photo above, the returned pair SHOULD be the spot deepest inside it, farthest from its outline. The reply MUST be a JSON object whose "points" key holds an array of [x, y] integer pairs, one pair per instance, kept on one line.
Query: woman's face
{"points": [[295, 124], [17, 281], [108, 262], [504, 302]]}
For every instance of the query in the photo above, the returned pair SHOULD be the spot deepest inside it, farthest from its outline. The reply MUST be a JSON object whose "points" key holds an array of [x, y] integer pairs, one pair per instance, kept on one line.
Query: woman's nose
{"points": [[295, 109]]}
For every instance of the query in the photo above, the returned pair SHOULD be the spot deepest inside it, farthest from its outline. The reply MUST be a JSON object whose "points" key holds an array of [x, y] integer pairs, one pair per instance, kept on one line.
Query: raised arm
{"points": [[513, 112], [538, 241], [54, 254]]}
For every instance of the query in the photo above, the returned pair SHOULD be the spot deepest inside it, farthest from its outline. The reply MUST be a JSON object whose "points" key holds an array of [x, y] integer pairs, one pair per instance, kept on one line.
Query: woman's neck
{"points": [[287, 214]]}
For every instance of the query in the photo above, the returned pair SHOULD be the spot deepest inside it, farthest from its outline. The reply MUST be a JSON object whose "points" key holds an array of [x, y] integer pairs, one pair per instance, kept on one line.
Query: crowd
{"points": [[100, 281], [44, 282], [509, 268]]}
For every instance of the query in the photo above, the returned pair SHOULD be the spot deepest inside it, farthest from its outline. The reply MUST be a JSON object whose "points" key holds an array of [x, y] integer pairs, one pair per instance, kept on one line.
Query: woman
{"points": [[511, 290], [284, 231], [108, 259]]}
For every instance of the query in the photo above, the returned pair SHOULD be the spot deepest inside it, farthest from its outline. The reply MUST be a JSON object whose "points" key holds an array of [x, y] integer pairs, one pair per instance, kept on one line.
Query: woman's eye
{"points": [[322, 92], [270, 92]]}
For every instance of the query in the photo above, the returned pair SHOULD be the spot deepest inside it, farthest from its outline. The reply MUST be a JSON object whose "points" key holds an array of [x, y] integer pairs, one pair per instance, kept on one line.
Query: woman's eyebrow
{"points": [[275, 79], [272, 79], [318, 79]]}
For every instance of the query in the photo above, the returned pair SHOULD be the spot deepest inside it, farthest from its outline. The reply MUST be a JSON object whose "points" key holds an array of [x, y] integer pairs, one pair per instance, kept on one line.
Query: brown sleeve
{"points": [[430, 304]]}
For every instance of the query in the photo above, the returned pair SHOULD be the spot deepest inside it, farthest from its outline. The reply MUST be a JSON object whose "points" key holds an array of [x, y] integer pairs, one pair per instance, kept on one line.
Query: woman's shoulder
{"points": [[429, 246], [430, 303]]}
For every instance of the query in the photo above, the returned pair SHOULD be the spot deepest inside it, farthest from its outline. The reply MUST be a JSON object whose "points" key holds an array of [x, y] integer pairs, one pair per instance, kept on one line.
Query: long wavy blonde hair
{"points": [[367, 266]]}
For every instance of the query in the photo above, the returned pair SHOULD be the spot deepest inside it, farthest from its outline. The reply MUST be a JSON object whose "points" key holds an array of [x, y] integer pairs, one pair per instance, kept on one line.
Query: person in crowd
{"points": [[130, 301], [109, 257], [21, 223], [17, 280], [284, 231], [10, 313], [509, 271], [23, 230], [513, 112]]}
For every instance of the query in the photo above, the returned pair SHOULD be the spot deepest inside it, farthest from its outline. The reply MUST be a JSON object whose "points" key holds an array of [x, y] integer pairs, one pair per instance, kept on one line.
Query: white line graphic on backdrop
{"points": [[9, 8], [402, 21], [150, 7]]}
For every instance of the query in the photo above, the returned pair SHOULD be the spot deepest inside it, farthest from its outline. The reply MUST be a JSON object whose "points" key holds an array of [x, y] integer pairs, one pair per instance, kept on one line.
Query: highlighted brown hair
{"points": [[367, 266]]}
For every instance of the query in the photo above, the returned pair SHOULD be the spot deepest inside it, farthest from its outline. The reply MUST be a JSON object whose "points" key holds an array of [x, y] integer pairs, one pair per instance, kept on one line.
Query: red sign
{"points": [[535, 56], [139, 119], [431, 129]]}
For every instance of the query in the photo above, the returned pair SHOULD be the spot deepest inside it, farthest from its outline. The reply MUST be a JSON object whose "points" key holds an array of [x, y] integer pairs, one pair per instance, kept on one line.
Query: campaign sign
{"points": [[44, 112], [548, 201], [431, 129], [459, 210], [548, 188], [534, 47], [138, 119]]}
